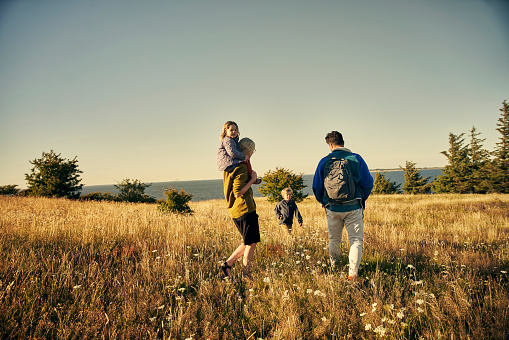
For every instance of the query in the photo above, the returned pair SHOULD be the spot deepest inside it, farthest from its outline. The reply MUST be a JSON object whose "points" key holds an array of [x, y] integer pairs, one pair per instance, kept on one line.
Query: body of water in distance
{"points": [[213, 188]]}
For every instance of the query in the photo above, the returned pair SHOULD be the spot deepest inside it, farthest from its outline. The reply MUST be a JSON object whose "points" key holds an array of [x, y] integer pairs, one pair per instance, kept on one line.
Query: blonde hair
{"points": [[246, 145], [225, 127], [285, 190]]}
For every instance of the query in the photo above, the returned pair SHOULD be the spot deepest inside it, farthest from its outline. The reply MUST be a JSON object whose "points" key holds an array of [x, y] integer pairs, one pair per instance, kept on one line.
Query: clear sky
{"points": [[141, 89]]}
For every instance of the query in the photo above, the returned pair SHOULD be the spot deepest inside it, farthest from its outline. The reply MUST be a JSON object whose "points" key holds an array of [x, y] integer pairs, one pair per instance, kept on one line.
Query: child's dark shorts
{"points": [[248, 227]]}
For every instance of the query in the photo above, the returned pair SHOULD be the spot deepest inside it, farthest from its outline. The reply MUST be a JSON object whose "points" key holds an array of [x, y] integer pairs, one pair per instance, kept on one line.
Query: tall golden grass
{"points": [[434, 267]]}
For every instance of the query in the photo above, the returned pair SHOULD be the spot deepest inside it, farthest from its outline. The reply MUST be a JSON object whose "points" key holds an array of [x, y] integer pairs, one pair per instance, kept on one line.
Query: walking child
{"points": [[286, 209]]}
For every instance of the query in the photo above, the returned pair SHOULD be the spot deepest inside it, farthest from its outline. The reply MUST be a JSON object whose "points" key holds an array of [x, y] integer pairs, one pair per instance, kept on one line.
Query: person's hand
{"points": [[254, 175], [300, 224], [248, 157]]}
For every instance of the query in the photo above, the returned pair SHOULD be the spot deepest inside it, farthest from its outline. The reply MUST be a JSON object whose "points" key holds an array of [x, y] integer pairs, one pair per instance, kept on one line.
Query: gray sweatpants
{"points": [[353, 221]]}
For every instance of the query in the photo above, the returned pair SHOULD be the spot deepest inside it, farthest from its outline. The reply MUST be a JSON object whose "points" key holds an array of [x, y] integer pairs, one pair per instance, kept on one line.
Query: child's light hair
{"points": [[246, 145], [225, 127], [287, 190]]}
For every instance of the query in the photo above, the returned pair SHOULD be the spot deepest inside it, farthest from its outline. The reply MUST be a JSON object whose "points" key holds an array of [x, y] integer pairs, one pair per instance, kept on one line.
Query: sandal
{"points": [[224, 267]]}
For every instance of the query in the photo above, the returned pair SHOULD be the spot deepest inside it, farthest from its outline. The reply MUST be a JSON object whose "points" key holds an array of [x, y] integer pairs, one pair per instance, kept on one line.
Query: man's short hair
{"points": [[246, 145], [334, 138]]}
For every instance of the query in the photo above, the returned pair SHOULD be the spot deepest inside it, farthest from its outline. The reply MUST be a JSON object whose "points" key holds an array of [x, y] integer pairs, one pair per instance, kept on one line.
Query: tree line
{"points": [[471, 169]]}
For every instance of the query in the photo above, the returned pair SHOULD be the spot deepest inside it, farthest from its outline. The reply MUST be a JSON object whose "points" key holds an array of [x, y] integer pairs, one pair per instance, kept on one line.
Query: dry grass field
{"points": [[434, 267]]}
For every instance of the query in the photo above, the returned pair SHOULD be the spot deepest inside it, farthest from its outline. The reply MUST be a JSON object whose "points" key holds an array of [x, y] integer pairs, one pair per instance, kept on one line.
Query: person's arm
{"points": [[277, 210], [247, 186], [318, 189], [366, 181], [297, 214]]}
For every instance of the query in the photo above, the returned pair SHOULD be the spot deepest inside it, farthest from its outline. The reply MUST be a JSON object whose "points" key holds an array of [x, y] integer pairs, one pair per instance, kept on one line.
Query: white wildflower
{"points": [[420, 310], [76, 287], [362, 314], [400, 315], [367, 327], [182, 289], [410, 266], [266, 279], [286, 297], [380, 330], [324, 319], [317, 292], [503, 272], [420, 302], [309, 291], [160, 307]]}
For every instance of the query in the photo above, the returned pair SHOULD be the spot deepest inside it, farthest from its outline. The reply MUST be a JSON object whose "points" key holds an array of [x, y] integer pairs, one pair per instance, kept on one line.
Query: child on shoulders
{"points": [[228, 154]]}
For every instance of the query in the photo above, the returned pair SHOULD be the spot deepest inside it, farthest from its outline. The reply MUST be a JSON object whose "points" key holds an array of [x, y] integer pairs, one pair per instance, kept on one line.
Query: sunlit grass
{"points": [[434, 266]]}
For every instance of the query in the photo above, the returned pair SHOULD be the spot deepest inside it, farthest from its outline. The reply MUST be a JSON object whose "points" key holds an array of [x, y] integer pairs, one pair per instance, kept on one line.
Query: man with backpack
{"points": [[342, 184]]}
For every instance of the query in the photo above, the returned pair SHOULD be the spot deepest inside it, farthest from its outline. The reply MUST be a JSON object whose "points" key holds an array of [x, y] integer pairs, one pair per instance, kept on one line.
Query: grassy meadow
{"points": [[434, 267]]}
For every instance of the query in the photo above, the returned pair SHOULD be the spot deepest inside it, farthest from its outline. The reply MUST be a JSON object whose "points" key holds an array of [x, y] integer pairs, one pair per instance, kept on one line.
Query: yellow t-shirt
{"points": [[233, 182]]}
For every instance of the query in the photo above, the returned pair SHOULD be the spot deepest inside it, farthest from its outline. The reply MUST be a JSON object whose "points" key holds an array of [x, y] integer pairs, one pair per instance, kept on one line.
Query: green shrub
{"points": [[133, 191], [176, 202], [275, 181], [98, 196], [8, 189]]}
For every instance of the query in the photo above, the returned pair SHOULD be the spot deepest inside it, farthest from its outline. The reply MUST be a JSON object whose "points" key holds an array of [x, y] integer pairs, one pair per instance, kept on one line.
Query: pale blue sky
{"points": [[141, 89]]}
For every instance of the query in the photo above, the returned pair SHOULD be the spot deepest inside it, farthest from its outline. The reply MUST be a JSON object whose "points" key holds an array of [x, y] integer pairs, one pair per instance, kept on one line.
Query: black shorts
{"points": [[248, 227]]}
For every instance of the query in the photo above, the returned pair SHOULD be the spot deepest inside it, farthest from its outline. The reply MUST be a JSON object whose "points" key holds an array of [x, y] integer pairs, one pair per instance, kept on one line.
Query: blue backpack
{"points": [[338, 180]]}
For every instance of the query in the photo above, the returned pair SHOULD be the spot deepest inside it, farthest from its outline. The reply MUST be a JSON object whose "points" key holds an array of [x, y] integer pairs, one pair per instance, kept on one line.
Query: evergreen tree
{"points": [[499, 174], [275, 181], [53, 176], [455, 174], [415, 183], [477, 179], [383, 186]]}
